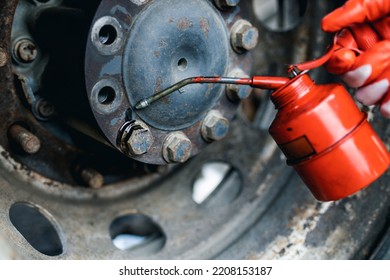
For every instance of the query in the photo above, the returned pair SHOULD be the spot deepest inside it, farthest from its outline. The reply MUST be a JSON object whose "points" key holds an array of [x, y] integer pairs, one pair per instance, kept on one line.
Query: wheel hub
{"points": [[137, 49], [189, 40]]}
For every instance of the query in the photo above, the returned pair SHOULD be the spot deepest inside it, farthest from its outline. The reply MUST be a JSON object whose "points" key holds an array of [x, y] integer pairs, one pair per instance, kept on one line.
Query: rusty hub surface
{"points": [[136, 50]]}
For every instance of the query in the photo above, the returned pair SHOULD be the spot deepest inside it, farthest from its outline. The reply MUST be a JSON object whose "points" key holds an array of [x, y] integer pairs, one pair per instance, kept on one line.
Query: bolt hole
{"points": [[182, 64], [107, 35], [137, 231], [106, 95], [36, 229], [216, 183]]}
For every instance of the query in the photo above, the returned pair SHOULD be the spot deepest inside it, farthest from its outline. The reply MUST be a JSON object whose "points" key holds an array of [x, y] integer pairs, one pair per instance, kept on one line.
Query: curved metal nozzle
{"points": [[264, 82]]}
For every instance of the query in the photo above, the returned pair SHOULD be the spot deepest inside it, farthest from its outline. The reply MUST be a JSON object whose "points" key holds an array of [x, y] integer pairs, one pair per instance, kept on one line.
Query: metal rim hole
{"points": [[216, 183], [107, 35], [137, 232], [106, 95], [36, 228], [182, 64]]}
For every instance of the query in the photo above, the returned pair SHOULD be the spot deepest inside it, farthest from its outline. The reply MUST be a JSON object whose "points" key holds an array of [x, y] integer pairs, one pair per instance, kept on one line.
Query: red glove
{"points": [[363, 49]]}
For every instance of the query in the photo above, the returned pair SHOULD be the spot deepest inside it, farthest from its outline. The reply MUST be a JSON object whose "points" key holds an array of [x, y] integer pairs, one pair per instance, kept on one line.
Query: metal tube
{"points": [[256, 81]]}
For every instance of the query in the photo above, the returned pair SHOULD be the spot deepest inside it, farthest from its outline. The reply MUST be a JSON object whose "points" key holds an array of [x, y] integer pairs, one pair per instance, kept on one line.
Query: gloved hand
{"points": [[362, 57]]}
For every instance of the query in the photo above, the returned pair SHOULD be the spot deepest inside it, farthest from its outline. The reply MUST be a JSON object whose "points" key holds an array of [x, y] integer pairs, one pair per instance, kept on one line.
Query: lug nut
{"points": [[25, 139], [244, 36], [238, 92], [177, 148], [214, 126], [26, 51], [136, 138], [224, 4], [92, 178]]}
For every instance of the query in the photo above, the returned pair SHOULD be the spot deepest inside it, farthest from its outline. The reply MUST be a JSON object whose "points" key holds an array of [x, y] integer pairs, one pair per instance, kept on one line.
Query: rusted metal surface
{"points": [[26, 105], [92, 178], [25, 139], [183, 42]]}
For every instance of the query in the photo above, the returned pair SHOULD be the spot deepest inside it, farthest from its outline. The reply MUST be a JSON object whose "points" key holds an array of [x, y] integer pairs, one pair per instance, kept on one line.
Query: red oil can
{"points": [[326, 138]]}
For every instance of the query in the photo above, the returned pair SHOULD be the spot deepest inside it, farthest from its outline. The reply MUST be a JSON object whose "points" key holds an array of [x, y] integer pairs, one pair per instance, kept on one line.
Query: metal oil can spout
{"points": [[264, 82]]}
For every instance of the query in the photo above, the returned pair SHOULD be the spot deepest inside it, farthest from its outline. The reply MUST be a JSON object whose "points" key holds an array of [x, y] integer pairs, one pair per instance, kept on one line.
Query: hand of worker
{"points": [[363, 49]]}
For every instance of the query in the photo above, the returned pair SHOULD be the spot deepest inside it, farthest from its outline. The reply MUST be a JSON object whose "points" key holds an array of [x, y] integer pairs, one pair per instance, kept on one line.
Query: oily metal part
{"points": [[192, 39], [41, 105]]}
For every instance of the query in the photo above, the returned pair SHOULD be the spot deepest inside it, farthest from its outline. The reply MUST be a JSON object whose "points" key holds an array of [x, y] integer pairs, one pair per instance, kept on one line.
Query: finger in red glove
{"points": [[375, 92], [365, 36], [344, 57], [369, 66], [382, 27]]}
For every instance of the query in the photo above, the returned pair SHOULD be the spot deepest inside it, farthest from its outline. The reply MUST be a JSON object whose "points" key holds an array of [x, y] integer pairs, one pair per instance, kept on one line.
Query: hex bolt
{"points": [[177, 148], [214, 126], [244, 36], [26, 51], [25, 139], [238, 92], [136, 138], [92, 178], [225, 4]]}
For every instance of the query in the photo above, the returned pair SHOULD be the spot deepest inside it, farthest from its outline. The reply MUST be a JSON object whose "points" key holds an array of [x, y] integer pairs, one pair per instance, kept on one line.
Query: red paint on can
{"points": [[326, 138], [267, 82]]}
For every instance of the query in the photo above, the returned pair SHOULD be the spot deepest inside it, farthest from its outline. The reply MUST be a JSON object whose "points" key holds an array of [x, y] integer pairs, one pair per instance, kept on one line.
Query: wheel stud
{"points": [[92, 178], [25, 139]]}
